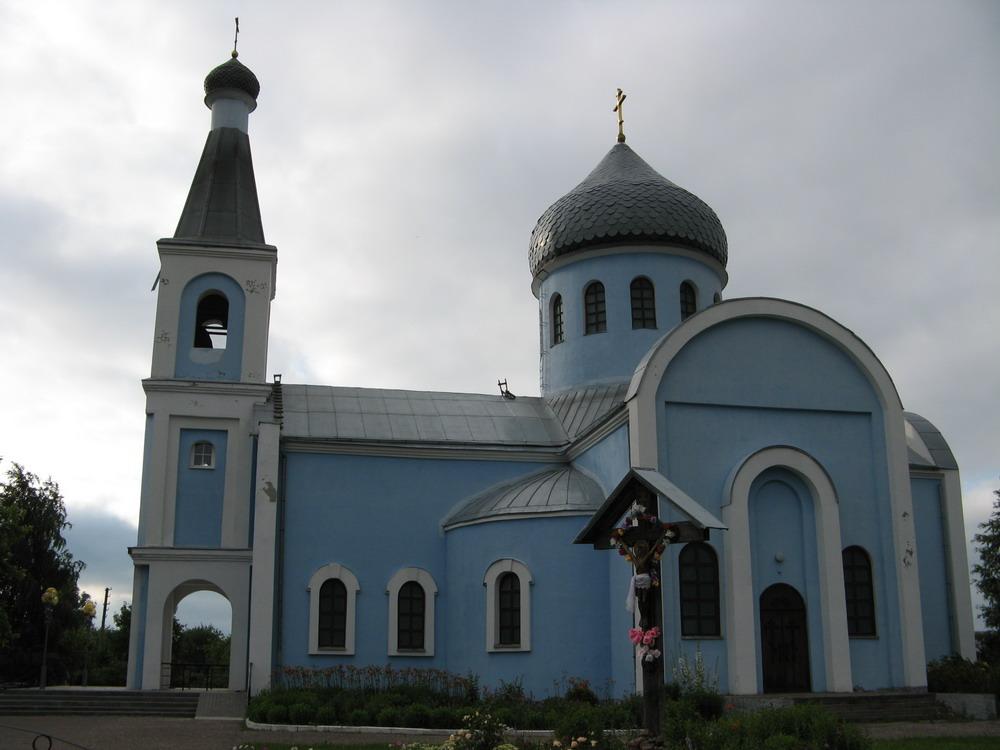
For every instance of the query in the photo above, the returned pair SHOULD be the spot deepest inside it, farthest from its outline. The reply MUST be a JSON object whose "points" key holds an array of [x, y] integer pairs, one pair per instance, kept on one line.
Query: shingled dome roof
{"points": [[232, 74], [625, 201]]}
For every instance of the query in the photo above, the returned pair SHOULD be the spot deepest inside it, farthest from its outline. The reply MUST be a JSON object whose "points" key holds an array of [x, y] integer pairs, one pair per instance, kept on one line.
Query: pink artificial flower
{"points": [[648, 638], [635, 635]]}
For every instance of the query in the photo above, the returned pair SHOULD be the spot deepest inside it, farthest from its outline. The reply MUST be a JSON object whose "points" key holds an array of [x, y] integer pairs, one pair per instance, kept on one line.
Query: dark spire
{"points": [[222, 205]]}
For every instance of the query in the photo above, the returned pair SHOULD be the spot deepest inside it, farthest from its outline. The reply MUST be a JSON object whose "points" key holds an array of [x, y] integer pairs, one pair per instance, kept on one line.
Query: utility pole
{"points": [[104, 612]]}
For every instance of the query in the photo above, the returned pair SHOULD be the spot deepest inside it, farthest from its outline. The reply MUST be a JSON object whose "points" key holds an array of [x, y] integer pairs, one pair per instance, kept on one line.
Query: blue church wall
{"points": [[569, 612], [613, 355], [676, 645], [753, 383], [933, 565], [210, 364], [607, 462], [375, 516], [200, 492]]}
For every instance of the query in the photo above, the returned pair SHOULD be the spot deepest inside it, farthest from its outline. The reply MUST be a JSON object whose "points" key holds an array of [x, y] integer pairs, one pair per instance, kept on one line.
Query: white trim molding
{"points": [[350, 581], [739, 590], [525, 582], [426, 581], [644, 451]]}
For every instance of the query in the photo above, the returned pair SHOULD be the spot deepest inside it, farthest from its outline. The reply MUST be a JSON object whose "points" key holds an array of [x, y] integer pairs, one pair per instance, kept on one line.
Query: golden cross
{"points": [[236, 37], [619, 101]]}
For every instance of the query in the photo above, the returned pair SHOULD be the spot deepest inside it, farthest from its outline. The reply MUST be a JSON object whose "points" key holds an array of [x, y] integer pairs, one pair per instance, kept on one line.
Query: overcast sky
{"points": [[403, 152]]}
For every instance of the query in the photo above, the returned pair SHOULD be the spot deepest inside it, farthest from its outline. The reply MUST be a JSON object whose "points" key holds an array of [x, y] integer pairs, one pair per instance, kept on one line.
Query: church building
{"points": [[830, 554]]}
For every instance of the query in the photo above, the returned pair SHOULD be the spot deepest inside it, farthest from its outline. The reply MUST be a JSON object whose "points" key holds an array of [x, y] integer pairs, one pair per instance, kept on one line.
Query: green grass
{"points": [[939, 743], [307, 746]]}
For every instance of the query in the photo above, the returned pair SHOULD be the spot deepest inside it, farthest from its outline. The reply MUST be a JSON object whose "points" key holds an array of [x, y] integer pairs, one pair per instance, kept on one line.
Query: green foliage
{"points": [[577, 721], [301, 713], [579, 691], [33, 557], [390, 716], [987, 570], [326, 715], [481, 730], [808, 727], [953, 674], [200, 644], [277, 715]]}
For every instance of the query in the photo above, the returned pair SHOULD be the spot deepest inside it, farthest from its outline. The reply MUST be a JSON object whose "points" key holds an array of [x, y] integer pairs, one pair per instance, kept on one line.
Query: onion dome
{"points": [[625, 201], [232, 74]]}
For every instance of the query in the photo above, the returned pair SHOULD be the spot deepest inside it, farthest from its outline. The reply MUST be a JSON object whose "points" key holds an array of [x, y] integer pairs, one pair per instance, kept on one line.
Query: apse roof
{"points": [[926, 445], [554, 491], [626, 201]]}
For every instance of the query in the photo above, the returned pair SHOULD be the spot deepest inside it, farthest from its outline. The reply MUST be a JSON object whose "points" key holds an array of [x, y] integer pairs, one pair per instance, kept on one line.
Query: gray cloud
{"points": [[404, 151]]}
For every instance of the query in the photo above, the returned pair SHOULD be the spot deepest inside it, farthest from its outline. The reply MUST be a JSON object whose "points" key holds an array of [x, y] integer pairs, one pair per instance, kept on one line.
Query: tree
{"points": [[33, 557], [987, 570]]}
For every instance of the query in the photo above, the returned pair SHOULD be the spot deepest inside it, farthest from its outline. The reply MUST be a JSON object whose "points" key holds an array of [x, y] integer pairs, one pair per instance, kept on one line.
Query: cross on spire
{"points": [[236, 37], [619, 101]]}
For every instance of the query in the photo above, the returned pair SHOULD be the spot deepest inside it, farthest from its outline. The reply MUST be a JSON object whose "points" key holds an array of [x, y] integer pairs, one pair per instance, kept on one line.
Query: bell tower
{"points": [[214, 291]]}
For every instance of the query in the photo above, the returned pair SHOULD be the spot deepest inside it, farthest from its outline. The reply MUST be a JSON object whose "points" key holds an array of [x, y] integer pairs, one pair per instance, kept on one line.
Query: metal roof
{"points": [[558, 491], [579, 410], [341, 413], [625, 201], [222, 204], [926, 445], [232, 74]]}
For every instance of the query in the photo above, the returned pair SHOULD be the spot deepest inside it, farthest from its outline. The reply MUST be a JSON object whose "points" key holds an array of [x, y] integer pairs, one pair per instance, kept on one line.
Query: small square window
{"points": [[203, 456]]}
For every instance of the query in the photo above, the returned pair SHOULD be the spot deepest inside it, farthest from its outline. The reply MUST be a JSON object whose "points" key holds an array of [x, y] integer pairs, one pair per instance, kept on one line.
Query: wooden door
{"points": [[784, 640]]}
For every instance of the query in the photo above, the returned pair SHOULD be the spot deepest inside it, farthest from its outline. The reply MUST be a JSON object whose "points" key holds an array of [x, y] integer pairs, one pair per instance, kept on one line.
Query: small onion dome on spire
{"points": [[231, 75], [624, 201]]}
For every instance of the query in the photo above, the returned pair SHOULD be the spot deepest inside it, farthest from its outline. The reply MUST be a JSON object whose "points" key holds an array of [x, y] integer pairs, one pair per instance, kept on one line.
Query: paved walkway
{"points": [[149, 733]]}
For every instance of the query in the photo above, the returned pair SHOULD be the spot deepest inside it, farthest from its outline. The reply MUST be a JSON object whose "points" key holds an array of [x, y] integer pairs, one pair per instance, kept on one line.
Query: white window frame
{"points": [[426, 580], [194, 445], [350, 581], [493, 574]]}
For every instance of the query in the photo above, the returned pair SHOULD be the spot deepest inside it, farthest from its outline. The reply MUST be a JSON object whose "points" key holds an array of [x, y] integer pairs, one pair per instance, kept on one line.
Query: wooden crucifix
{"points": [[619, 102], [641, 540]]}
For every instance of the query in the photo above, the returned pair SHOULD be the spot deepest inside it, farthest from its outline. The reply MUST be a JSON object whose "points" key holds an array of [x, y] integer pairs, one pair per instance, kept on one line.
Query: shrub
{"points": [[707, 704], [301, 713], [953, 674], [390, 716], [511, 692], [416, 715], [326, 715], [481, 730], [277, 715], [443, 717], [358, 718], [257, 710], [782, 742], [579, 691], [579, 721]]}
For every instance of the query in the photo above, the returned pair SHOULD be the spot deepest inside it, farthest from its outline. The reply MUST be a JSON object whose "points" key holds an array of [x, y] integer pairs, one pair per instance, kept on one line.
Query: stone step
{"points": [[98, 702]]}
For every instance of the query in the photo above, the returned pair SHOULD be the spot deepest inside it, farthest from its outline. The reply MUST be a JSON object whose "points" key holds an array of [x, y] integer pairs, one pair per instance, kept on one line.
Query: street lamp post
{"points": [[49, 599], [89, 609]]}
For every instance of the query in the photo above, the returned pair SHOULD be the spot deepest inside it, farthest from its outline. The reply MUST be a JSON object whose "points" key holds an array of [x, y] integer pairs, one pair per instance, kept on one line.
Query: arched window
{"points": [[595, 314], [509, 610], [508, 606], [558, 334], [689, 300], [411, 613], [860, 593], [332, 614], [699, 589], [410, 617], [211, 325], [333, 592], [203, 455], [643, 303]]}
